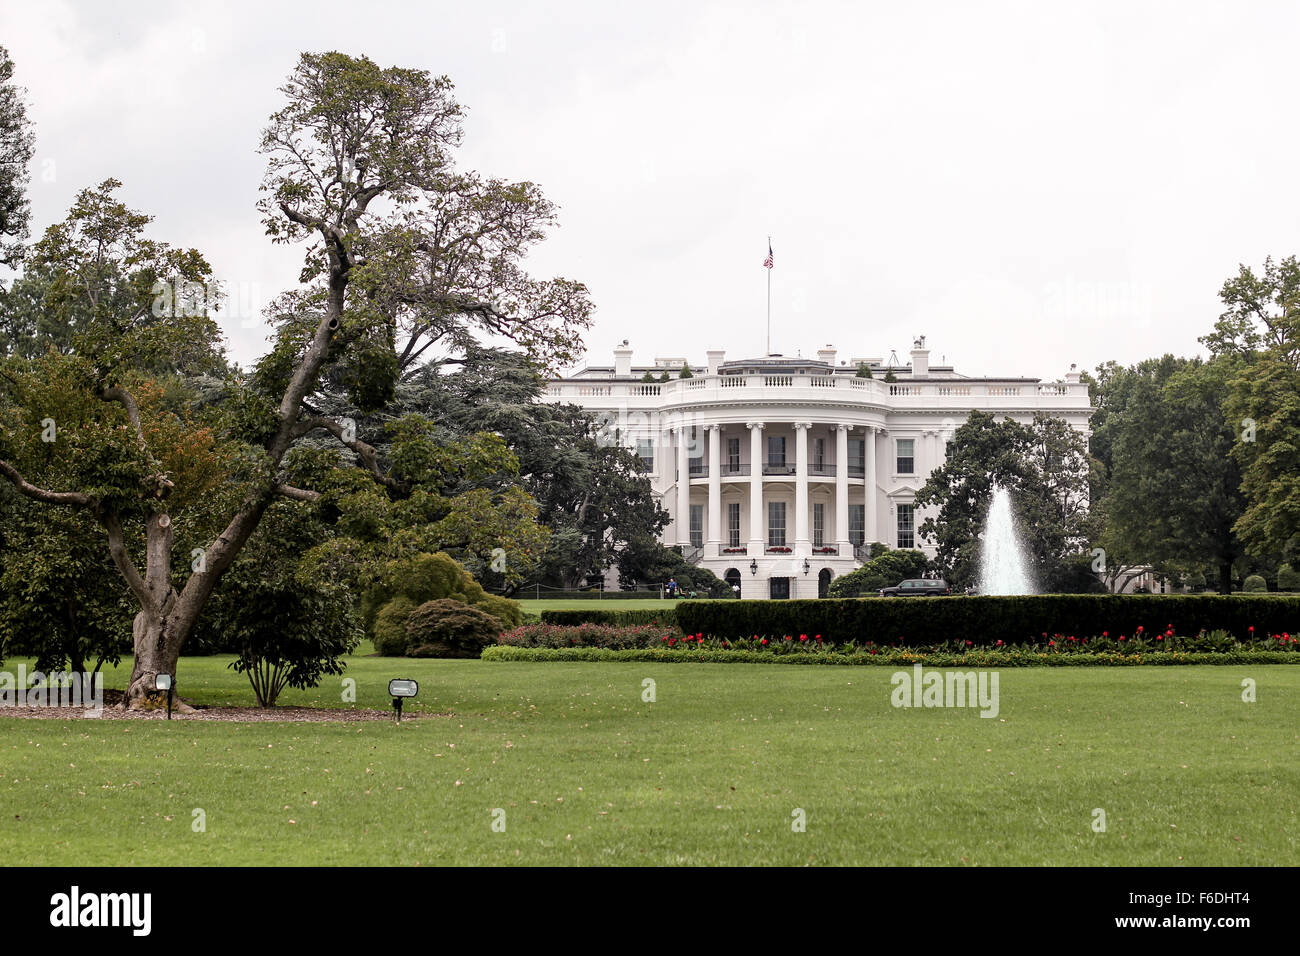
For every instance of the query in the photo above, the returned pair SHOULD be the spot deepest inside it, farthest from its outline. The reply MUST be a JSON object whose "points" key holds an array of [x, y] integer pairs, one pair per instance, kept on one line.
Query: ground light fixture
{"points": [[400, 688], [165, 682]]}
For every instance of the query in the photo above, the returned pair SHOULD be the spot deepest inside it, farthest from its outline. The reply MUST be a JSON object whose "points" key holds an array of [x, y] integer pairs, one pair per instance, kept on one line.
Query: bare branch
{"points": [[298, 494]]}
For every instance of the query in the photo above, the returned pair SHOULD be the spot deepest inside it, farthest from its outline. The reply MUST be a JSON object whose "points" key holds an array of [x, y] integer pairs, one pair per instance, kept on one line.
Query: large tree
{"points": [[1044, 465], [359, 168], [17, 142], [1174, 495], [1260, 328]]}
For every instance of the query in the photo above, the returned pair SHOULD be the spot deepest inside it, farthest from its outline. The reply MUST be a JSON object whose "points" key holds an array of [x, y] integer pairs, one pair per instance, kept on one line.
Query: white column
{"points": [[802, 542], [756, 535], [683, 485], [842, 489], [715, 490], [869, 486]]}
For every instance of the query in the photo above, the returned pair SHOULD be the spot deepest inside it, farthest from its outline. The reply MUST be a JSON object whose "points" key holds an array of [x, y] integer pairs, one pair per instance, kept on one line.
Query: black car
{"points": [[918, 587]]}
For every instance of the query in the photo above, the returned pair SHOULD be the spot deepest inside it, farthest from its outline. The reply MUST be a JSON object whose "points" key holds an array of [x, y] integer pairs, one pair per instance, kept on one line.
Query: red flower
{"points": [[999, 643], [1051, 643], [1105, 633], [818, 637], [1139, 627], [968, 643], [764, 640], [1160, 637], [803, 637], [1121, 637]]}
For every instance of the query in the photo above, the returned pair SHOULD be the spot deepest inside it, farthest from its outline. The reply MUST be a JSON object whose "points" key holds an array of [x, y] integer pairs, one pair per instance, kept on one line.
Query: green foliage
{"points": [[685, 372], [592, 635], [647, 377], [388, 631], [864, 371], [644, 560], [890, 377], [1044, 466], [1288, 578], [449, 628], [1173, 494], [984, 620], [611, 617], [1255, 584], [406, 583], [884, 571], [17, 144]]}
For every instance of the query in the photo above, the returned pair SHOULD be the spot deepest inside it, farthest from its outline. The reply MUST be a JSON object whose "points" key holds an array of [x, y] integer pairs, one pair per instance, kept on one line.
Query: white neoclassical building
{"points": [[779, 472]]}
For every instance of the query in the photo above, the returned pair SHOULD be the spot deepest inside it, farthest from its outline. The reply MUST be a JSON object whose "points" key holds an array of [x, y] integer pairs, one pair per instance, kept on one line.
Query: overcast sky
{"points": [[1027, 184]]}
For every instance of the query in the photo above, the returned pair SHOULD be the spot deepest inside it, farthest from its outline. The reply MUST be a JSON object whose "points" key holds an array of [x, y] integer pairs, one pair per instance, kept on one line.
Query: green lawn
{"points": [[613, 604], [710, 773]]}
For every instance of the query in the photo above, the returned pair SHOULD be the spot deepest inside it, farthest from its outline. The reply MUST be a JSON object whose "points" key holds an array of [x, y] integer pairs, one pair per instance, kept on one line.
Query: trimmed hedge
{"points": [[987, 619], [631, 617], [982, 658]]}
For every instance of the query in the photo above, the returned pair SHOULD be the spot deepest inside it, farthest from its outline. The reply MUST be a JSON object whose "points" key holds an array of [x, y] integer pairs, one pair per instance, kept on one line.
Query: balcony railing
{"points": [[775, 468], [954, 393], [698, 468], [734, 470], [823, 469]]}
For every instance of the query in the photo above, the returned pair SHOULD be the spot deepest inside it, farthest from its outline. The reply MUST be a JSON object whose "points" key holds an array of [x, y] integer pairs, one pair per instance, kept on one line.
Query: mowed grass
{"points": [[587, 772], [613, 604]]}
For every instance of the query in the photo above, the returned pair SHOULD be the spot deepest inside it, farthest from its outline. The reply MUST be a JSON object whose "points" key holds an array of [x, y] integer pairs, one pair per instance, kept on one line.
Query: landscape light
{"points": [[164, 682], [399, 689]]}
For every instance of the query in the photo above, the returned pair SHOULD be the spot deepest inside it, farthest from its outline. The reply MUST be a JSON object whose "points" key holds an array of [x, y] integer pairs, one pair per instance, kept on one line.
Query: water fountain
{"points": [[1004, 568]]}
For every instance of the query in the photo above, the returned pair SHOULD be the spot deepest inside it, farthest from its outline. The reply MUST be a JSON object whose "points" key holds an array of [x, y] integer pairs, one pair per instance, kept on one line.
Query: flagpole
{"points": [[769, 302]]}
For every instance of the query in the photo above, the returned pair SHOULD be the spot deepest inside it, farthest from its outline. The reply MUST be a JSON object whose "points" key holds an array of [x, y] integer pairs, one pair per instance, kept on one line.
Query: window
{"points": [[775, 451], [776, 524], [906, 527], [819, 453], [695, 453], [733, 524], [857, 457], [819, 524], [697, 526], [645, 448], [733, 454], [906, 460], [857, 524]]}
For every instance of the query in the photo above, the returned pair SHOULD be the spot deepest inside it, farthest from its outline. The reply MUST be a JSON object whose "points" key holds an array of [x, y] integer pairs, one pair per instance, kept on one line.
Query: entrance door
{"points": [[779, 588], [824, 582]]}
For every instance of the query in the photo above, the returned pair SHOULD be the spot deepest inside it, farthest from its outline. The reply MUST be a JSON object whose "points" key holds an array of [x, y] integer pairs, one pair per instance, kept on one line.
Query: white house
{"points": [[778, 471]]}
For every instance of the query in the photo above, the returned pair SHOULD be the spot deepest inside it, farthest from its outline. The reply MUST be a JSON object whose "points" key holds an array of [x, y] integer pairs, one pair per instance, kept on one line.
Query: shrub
{"points": [[1255, 584], [1288, 578], [986, 619], [448, 628], [618, 618], [428, 577], [389, 630], [591, 635]]}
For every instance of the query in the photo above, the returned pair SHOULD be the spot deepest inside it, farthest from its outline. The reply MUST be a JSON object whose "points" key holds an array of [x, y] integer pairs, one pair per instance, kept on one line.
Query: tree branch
{"points": [[75, 499]]}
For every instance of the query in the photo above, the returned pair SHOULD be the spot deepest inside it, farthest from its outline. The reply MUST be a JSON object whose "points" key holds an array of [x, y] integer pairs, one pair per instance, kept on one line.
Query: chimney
{"points": [[623, 360], [1072, 376], [715, 359], [920, 358], [826, 355]]}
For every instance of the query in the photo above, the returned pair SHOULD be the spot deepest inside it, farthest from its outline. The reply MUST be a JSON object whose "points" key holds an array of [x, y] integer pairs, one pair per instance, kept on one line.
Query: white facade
{"points": [[779, 472]]}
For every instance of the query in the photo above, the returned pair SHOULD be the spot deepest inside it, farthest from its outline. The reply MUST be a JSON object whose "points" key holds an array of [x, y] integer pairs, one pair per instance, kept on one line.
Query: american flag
{"points": [[767, 263]]}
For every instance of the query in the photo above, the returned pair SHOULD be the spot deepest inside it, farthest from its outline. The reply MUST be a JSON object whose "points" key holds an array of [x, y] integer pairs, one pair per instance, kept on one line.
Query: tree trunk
{"points": [[1225, 578], [157, 651]]}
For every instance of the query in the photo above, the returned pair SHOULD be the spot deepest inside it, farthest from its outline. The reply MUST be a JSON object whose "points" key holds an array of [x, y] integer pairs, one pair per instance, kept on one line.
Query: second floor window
{"points": [[776, 451], [857, 524], [733, 454], [906, 459], [776, 524]]}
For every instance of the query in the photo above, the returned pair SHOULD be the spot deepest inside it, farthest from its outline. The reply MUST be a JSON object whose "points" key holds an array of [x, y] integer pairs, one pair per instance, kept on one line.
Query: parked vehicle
{"points": [[918, 587]]}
